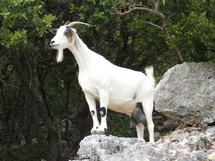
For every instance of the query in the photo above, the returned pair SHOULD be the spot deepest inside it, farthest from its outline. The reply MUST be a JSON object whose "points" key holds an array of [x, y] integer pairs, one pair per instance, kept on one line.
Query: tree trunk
{"points": [[52, 130], [29, 76]]}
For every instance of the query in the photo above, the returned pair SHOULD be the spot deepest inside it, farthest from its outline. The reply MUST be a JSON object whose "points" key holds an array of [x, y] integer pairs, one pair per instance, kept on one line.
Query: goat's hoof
{"points": [[97, 132], [101, 132], [94, 130]]}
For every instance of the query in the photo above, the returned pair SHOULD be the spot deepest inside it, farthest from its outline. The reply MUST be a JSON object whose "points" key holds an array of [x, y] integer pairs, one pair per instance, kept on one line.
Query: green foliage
{"points": [[30, 152], [44, 23], [119, 125], [97, 13], [163, 1], [194, 35], [14, 39], [21, 19]]}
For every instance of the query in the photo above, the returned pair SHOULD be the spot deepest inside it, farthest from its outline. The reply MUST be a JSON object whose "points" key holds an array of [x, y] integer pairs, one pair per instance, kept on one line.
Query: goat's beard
{"points": [[59, 55]]}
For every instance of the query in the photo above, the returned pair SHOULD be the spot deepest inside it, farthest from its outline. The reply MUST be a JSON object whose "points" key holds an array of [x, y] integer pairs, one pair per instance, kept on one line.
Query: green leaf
{"points": [[18, 38], [48, 20]]}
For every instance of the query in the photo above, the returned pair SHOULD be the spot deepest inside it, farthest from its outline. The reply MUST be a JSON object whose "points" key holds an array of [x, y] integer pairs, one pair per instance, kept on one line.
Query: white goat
{"points": [[116, 88]]}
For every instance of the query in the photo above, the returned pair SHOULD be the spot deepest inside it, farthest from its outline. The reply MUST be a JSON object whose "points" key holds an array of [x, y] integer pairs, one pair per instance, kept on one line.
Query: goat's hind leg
{"points": [[140, 130], [92, 107], [137, 120], [148, 109]]}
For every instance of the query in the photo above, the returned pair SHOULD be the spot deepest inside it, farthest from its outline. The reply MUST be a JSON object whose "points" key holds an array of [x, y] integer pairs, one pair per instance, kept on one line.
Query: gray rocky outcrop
{"points": [[190, 144], [187, 92]]}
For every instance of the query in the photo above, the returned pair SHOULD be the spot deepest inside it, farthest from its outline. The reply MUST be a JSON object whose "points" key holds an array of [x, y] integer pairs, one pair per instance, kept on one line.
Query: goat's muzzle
{"points": [[52, 44]]}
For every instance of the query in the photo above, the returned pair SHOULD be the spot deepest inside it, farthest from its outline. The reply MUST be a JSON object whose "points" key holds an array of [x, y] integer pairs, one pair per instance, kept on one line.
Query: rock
{"points": [[187, 92], [163, 124], [111, 148], [211, 156], [191, 141], [189, 144]]}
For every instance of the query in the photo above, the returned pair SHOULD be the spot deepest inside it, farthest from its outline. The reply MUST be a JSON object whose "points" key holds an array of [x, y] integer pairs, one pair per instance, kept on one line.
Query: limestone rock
{"points": [[111, 148], [194, 142], [187, 91], [189, 144]]}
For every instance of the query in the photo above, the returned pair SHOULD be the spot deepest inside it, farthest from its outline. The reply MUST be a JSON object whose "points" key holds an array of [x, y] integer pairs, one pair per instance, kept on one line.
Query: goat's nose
{"points": [[52, 43]]}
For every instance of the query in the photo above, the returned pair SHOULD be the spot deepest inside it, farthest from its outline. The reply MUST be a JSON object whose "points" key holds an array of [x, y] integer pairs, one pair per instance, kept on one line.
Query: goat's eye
{"points": [[68, 31]]}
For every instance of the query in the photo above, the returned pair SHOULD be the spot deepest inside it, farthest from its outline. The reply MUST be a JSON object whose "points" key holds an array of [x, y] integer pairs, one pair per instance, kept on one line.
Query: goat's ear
{"points": [[67, 22], [53, 30]]}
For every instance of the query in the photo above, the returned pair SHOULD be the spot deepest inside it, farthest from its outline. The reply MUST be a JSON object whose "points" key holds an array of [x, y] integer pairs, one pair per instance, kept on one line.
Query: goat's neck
{"points": [[81, 53]]}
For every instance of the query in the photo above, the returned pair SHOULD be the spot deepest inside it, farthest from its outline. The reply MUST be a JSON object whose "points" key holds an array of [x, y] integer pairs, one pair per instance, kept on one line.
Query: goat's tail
{"points": [[150, 74]]}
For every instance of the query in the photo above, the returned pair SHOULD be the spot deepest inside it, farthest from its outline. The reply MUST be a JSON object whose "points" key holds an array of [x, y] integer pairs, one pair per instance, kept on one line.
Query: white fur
{"points": [[116, 88], [59, 55]]}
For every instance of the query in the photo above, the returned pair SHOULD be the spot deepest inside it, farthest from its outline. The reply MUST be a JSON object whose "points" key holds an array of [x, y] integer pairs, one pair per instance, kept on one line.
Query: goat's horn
{"points": [[71, 24]]}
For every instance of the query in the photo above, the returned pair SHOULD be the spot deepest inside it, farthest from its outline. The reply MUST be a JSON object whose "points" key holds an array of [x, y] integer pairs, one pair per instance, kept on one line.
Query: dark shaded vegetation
{"points": [[43, 113]]}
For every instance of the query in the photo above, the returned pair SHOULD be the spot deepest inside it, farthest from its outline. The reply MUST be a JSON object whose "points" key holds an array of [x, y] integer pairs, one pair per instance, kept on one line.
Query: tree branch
{"points": [[128, 8], [153, 24]]}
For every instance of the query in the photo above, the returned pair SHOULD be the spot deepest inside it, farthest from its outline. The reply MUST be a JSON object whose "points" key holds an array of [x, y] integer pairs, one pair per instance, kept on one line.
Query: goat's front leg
{"points": [[104, 101], [92, 107]]}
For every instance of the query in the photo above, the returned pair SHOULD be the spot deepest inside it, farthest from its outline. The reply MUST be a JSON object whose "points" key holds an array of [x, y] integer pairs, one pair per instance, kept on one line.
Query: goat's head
{"points": [[64, 37]]}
